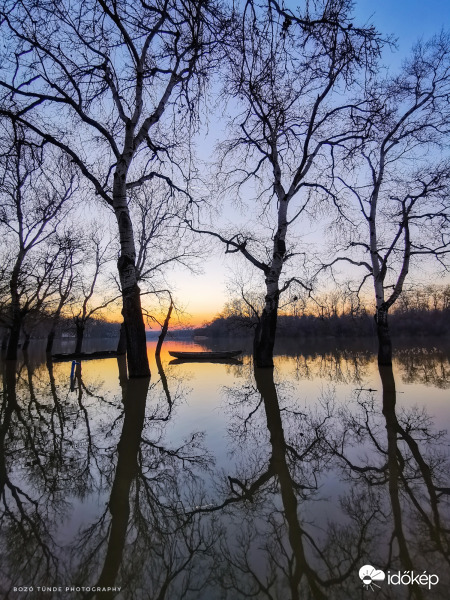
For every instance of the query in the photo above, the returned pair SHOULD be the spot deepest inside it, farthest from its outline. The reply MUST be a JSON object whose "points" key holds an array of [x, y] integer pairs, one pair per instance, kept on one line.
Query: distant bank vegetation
{"points": [[424, 311], [65, 329]]}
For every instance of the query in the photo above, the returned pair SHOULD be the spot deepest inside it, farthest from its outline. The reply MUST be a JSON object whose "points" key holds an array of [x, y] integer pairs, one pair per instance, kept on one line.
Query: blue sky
{"points": [[406, 20]]}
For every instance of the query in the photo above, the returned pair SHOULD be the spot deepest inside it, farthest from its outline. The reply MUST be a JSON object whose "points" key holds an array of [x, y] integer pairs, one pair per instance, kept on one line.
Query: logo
{"points": [[369, 575]]}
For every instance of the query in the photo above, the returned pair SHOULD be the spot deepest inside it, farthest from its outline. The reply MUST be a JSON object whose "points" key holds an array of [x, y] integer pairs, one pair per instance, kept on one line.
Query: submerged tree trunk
{"points": [[14, 337], [384, 338], [398, 436], [9, 405], [132, 312], [395, 462], [26, 343], [134, 400], [50, 340], [279, 464], [265, 332], [122, 344], [164, 329], [80, 335]]}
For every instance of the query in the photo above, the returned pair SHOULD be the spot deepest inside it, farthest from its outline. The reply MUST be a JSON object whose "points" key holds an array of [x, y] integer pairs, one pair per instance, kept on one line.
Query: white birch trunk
{"points": [[132, 312]]}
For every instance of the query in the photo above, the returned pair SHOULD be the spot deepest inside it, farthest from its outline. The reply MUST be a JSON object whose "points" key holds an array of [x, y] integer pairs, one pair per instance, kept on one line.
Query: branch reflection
{"points": [[407, 465], [274, 549], [147, 538]]}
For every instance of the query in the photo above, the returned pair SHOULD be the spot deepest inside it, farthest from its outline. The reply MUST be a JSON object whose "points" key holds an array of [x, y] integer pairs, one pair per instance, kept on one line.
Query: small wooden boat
{"points": [[85, 355], [216, 361], [205, 355]]}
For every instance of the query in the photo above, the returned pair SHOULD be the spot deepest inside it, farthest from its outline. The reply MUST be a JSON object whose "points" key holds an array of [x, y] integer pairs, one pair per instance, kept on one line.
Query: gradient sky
{"points": [[203, 296]]}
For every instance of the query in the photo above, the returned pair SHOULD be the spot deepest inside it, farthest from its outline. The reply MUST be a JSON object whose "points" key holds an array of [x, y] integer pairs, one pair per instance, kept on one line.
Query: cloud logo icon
{"points": [[369, 575]]}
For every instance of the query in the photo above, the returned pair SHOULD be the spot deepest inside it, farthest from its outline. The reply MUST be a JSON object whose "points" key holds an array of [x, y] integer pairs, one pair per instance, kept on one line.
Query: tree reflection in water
{"points": [[407, 464], [311, 491], [424, 365], [278, 553], [28, 486], [152, 543]]}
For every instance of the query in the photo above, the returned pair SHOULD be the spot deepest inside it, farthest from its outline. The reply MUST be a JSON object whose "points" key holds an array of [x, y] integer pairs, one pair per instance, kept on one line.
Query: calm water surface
{"points": [[219, 481]]}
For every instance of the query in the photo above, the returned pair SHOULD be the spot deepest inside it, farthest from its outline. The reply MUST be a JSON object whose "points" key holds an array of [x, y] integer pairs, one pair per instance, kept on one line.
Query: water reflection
{"points": [[427, 366], [406, 462], [147, 538], [224, 481], [134, 399], [280, 552], [29, 487]]}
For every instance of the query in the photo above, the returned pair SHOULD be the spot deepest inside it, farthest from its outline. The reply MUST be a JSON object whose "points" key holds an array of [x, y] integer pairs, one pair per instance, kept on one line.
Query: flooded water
{"points": [[326, 478]]}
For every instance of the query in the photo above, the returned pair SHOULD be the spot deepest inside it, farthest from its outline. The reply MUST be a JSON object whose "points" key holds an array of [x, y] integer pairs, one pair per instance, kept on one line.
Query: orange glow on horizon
{"points": [[194, 320]]}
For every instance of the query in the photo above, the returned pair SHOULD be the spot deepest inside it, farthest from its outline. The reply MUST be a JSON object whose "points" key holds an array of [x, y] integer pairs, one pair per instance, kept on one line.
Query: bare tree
{"points": [[37, 184], [68, 257], [288, 78], [87, 283], [164, 329], [96, 79], [164, 244], [162, 239], [400, 180]]}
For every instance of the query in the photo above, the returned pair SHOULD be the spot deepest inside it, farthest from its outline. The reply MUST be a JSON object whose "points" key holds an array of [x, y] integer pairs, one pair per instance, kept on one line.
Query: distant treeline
{"points": [[413, 322], [95, 328], [418, 313]]}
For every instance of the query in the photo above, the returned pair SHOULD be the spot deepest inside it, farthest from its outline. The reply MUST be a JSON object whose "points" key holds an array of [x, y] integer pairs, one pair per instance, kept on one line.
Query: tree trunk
{"points": [[122, 368], [26, 342], [163, 378], [14, 337], [264, 339], [135, 333], [50, 340], [384, 338], [16, 313], [132, 312], [52, 332], [122, 344], [164, 329], [80, 335]]}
